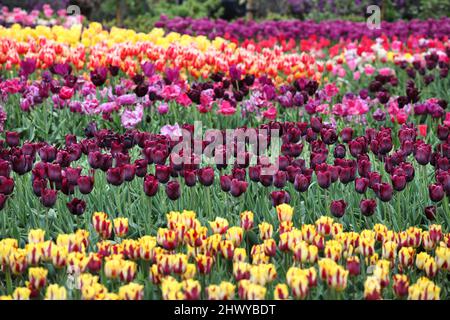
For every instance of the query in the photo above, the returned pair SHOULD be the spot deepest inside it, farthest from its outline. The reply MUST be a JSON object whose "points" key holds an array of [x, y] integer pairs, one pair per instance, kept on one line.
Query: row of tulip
{"points": [[188, 261], [174, 158], [297, 29]]}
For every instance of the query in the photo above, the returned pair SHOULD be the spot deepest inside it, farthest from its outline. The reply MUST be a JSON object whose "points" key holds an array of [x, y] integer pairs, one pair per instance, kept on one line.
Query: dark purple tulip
{"points": [[29, 149], [95, 159], [150, 185], [346, 134], [367, 207], [398, 182], [162, 173], [106, 163], [72, 175], [3, 199], [141, 167], [54, 172], [76, 206], [22, 164], [301, 183], [384, 191], [6, 185], [266, 180], [361, 185], [47, 153], [115, 176], [206, 176], [39, 185], [279, 197], [190, 178], [239, 173], [374, 179], [48, 197], [254, 173], [27, 67], [409, 171], [347, 174], [356, 148], [339, 151], [443, 132], [430, 212], [324, 179], [316, 124], [173, 190], [225, 183], [12, 139], [237, 187], [98, 76], [436, 192], [129, 172], [423, 153], [329, 136], [337, 208], [5, 168], [279, 179], [85, 184]]}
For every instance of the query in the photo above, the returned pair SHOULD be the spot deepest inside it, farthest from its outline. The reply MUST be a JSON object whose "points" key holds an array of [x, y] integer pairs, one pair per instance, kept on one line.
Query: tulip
{"points": [[54, 172], [6, 186], [120, 227], [150, 185], [48, 197], [206, 176], [162, 173], [47, 153], [367, 207], [85, 184], [115, 176], [237, 187], [173, 190], [247, 220], [12, 139], [301, 183], [190, 178], [55, 292], [279, 179], [225, 183], [204, 263], [76, 207], [398, 182], [383, 191], [254, 173], [141, 167], [436, 192], [324, 179], [353, 265], [37, 278], [131, 291], [337, 208], [372, 289], [361, 185], [98, 76]]}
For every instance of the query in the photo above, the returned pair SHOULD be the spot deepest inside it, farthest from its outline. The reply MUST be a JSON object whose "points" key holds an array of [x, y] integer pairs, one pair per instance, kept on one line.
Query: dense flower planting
{"points": [[351, 129], [181, 262]]}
